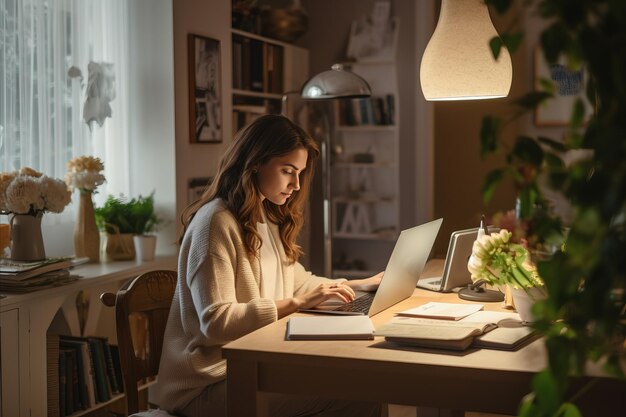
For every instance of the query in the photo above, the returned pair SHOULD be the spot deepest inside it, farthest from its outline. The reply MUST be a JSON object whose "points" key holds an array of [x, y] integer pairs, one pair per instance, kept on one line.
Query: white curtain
{"points": [[41, 120]]}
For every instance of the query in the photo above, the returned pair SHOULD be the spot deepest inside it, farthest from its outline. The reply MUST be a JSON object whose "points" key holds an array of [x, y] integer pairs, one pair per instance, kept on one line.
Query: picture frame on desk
{"points": [[205, 97], [569, 86]]}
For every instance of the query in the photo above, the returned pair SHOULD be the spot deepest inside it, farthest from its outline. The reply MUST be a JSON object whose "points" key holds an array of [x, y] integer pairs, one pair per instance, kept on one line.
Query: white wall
{"points": [[152, 143], [211, 19]]}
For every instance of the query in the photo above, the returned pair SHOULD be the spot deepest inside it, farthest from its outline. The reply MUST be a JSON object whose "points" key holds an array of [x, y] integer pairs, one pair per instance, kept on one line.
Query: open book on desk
{"points": [[457, 335], [442, 311]]}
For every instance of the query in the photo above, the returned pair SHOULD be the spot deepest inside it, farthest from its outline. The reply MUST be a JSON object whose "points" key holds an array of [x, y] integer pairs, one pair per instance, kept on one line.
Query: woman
{"points": [[238, 271]]}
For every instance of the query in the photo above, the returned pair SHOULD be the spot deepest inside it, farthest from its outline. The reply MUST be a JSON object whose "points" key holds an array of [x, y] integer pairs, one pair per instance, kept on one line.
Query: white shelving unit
{"points": [[364, 189], [263, 69]]}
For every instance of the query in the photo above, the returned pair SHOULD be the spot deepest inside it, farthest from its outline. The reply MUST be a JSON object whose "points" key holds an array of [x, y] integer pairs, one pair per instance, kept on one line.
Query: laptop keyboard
{"points": [[361, 304]]}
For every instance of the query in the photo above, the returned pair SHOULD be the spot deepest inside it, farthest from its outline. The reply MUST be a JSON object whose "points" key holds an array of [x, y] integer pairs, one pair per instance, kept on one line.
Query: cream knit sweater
{"points": [[217, 300]]}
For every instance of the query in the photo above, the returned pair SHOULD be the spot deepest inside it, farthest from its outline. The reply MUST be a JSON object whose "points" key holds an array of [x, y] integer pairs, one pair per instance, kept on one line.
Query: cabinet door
{"points": [[9, 364]]}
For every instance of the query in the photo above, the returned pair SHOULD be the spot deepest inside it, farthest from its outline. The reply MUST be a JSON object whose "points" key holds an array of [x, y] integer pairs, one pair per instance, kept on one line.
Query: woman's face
{"points": [[280, 176]]}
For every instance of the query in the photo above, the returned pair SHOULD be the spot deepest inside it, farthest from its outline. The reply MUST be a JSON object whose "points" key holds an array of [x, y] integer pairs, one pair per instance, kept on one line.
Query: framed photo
{"points": [[569, 86], [205, 96]]}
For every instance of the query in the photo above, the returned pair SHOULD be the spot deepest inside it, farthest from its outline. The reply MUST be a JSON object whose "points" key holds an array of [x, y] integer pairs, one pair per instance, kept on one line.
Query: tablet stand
{"points": [[477, 292]]}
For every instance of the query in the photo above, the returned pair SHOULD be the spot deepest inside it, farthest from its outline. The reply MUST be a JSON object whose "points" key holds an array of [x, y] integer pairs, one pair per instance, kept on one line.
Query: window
{"points": [[41, 106]]}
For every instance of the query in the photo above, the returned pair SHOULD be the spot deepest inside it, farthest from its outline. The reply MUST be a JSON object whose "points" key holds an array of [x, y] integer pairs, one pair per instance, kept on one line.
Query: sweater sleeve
{"points": [[305, 281], [224, 292]]}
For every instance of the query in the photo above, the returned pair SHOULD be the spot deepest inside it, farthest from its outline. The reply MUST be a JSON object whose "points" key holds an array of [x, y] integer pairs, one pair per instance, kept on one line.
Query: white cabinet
{"points": [[365, 195], [25, 320], [9, 363]]}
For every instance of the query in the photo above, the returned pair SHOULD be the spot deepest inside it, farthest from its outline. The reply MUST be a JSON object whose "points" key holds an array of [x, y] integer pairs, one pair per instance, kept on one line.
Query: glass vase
{"points": [[86, 234], [26, 237]]}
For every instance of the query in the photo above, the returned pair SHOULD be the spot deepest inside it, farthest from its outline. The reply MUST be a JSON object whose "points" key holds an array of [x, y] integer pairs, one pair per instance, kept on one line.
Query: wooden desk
{"points": [[475, 380]]}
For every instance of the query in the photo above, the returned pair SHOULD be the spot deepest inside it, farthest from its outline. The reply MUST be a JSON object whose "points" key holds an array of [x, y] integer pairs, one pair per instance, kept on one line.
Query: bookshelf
{"points": [[365, 195], [263, 69], [27, 319]]}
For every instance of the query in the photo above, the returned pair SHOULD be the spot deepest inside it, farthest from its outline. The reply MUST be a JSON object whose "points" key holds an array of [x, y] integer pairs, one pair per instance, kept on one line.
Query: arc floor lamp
{"points": [[334, 84]]}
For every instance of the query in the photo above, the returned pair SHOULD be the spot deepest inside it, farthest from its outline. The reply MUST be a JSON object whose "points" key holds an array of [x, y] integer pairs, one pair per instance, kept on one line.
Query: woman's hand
{"points": [[320, 294], [325, 292], [365, 284]]}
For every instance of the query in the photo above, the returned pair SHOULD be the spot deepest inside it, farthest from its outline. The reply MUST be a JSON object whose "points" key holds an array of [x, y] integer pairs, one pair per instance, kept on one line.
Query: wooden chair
{"points": [[141, 309]]}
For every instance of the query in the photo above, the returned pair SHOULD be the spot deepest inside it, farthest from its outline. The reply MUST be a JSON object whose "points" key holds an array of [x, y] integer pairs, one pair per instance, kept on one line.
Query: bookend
{"points": [[477, 292]]}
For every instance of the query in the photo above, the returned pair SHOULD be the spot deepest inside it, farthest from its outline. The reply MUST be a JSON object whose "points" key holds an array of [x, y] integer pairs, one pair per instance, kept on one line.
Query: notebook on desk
{"points": [[455, 273], [403, 270]]}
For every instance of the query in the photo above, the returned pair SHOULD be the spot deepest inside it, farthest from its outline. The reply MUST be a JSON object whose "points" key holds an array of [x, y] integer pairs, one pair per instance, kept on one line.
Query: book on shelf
{"points": [[110, 368], [473, 330], [85, 374], [371, 111], [117, 364], [71, 381], [330, 328], [103, 390], [444, 311]]}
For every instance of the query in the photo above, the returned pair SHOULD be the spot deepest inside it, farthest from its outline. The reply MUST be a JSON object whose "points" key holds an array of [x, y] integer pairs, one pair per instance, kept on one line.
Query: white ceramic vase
{"points": [[145, 246], [525, 298]]}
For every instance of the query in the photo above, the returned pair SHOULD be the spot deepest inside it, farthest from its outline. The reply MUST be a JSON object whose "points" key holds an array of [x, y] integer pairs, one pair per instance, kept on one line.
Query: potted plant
{"points": [[501, 262], [583, 317], [123, 219]]}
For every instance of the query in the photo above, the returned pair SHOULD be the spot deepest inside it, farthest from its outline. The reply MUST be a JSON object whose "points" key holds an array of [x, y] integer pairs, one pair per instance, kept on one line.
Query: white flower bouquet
{"points": [[499, 261], [30, 192], [85, 173]]}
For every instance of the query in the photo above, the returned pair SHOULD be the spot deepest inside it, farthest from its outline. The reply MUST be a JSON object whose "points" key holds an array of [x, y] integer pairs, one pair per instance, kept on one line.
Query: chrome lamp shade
{"points": [[458, 63], [335, 83]]}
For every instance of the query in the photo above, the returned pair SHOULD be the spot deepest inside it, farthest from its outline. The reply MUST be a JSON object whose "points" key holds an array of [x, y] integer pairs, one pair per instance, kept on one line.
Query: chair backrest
{"points": [[142, 306]]}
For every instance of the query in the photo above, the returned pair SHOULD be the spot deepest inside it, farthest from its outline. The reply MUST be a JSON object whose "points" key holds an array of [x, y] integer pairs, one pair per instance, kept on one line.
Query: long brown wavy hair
{"points": [[235, 182]]}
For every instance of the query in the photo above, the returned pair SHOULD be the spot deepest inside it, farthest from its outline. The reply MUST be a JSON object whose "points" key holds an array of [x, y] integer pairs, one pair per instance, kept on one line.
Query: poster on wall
{"points": [[205, 105], [569, 86]]}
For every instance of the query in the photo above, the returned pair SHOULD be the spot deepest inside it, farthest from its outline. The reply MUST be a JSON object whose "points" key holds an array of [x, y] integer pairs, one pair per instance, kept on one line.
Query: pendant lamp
{"points": [[458, 63]]}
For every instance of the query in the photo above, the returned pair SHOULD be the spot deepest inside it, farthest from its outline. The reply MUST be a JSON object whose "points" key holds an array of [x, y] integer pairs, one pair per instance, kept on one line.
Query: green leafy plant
{"points": [[583, 318], [120, 215]]}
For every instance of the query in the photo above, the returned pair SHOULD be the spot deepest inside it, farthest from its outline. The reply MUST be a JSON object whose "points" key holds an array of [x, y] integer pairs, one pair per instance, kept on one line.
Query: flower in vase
{"points": [[30, 192], [499, 261], [85, 173]]}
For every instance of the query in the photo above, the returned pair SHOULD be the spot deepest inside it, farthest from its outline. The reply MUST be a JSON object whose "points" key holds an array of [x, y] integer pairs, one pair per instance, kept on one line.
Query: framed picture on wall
{"points": [[569, 86], [205, 97]]}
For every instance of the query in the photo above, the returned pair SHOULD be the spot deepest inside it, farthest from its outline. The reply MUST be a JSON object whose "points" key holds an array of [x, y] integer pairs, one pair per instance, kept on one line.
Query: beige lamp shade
{"points": [[335, 83], [458, 63]]}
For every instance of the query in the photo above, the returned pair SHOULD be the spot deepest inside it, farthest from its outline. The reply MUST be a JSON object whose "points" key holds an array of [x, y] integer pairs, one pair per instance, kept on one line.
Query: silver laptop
{"points": [[403, 270], [455, 273]]}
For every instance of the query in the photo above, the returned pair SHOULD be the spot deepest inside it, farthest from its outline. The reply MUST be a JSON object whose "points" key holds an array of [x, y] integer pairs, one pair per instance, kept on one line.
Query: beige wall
{"points": [[459, 170], [211, 19]]}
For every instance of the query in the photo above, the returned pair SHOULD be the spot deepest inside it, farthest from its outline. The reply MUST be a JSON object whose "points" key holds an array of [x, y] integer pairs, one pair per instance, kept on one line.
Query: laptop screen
{"points": [[405, 265]]}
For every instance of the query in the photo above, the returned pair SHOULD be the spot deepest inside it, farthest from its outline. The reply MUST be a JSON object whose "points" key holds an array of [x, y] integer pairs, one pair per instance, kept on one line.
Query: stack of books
{"points": [[20, 276], [82, 372]]}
